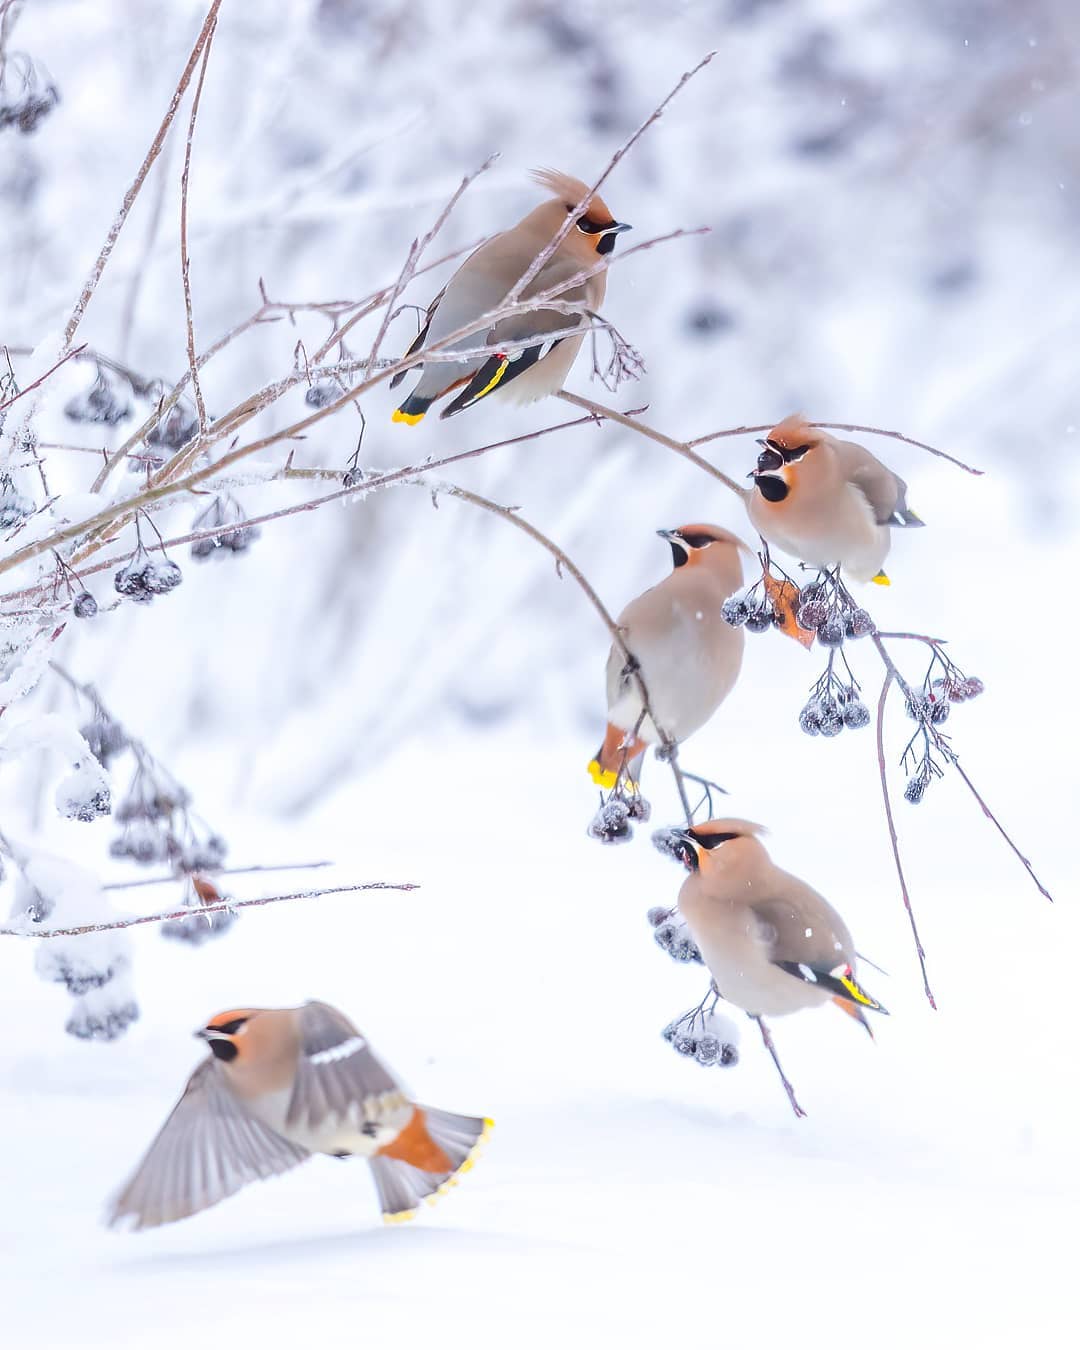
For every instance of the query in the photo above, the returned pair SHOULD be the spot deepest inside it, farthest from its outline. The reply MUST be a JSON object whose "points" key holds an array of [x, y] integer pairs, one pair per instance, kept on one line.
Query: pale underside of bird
{"points": [[280, 1086], [687, 656], [772, 943], [545, 350], [827, 501]]}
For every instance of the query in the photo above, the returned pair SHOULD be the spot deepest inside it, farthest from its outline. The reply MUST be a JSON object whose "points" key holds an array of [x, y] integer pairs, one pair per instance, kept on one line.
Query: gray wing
{"points": [[209, 1148], [782, 927], [883, 489], [337, 1071]]}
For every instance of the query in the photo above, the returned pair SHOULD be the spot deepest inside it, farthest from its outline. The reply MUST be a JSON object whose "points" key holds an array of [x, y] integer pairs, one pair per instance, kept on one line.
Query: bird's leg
{"points": [[766, 1036]]}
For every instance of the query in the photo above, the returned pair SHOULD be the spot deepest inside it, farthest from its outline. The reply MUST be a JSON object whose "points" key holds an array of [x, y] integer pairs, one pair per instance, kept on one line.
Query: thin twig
{"points": [[1000, 828], [840, 426], [766, 1036], [140, 178], [68, 356], [214, 907], [680, 447], [218, 872], [185, 259], [889, 676]]}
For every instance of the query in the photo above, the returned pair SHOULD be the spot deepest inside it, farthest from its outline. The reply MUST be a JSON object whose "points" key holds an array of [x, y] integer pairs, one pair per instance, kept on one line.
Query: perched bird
{"points": [[688, 657], [772, 944], [279, 1085], [826, 501], [483, 281]]}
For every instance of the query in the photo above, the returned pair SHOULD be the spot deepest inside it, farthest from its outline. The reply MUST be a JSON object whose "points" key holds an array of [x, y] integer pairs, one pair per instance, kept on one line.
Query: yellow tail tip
{"points": [[603, 778], [402, 1216], [881, 580], [410, 419], [466, 1165]]}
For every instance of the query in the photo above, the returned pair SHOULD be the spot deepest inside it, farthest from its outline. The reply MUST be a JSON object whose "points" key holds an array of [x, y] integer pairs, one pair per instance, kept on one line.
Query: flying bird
{"points": [[279, 1085], [687, 655], [826, 501], [481, 284], [772, 944]]}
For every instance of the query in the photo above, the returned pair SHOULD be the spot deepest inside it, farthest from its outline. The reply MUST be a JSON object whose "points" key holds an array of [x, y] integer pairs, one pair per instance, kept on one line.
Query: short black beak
{"points": [[752, 474], [668, 534], [764, 444], [618, 227]]}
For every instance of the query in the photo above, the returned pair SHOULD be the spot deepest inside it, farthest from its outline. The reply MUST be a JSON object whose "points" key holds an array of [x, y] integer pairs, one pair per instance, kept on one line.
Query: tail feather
{"points": [[412, 410], [619, 748], [853, 1010], [402, 1184]]}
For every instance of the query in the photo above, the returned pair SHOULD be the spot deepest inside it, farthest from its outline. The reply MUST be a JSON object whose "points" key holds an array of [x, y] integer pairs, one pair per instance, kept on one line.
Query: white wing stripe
{"points": [[346, 1049]]}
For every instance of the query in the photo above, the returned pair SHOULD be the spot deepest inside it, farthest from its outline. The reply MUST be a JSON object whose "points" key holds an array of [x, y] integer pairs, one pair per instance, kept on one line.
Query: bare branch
{"points": [[185, 260], [68, 356], [214, 907], [1000, 828], [840, 426], [172, 878], [133, 191]]}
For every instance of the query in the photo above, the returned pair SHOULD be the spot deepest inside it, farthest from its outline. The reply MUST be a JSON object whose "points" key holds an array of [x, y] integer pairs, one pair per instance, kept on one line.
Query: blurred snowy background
{"points": [[892, 192]]}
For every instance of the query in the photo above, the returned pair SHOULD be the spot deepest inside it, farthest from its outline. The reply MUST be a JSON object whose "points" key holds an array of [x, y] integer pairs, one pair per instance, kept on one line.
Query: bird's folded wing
{"points": [[337, 1070], [209, 1148], [880, 486], [420, 338]]}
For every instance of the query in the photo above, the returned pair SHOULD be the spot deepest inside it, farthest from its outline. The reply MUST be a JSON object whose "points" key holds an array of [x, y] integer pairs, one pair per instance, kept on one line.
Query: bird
{"points": [[279, 1085], [772, 944], [481, 284], [681, 647], [826, 501]]}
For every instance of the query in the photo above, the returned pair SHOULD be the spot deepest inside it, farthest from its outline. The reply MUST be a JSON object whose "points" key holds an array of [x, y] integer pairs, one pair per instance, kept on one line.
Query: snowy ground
{"points": [[930, 1197]]}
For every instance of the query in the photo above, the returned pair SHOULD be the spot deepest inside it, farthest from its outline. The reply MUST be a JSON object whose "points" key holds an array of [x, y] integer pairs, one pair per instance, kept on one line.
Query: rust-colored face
{"points": [[225, 1033], [598, 226], [690, 544]]}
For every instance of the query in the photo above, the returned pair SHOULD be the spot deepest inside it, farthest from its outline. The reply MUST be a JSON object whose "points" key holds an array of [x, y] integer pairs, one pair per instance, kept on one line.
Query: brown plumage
{"points": [[826, 501], [282, 1084], [688, 656], [481, 284]]}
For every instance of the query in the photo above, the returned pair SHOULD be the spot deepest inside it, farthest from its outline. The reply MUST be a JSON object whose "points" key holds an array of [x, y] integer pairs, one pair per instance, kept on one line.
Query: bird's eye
{"points": [[770, 460]]}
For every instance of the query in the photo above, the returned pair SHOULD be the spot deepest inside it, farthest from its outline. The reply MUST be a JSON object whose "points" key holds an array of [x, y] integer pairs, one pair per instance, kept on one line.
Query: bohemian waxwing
{"points": [[826, 501], [771, 943], [688, 657], [483, 282], [280, 1085]]}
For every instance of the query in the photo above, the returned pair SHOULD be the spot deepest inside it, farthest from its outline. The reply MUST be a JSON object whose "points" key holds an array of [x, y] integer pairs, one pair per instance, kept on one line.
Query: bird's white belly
{"points": [[848, 535]]}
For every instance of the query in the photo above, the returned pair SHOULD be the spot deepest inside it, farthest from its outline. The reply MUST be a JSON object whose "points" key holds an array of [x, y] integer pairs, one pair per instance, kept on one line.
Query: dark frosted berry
{"points": [[939, 711], [105, 739], [353, 477], [161, 576], [657, 915], [729, 1055], [670, 1031], [686, 1045], [758, 620], [831, 720], [708, 1050], [202, 549], [858, 623], [914, 791], [85, 606], [686, 949], [812, 614], [812, 594], [735, 611], [175, 429], [130, 580], [918, 707], [666, 935], [831, 632], [105, 1025], [198, 927], [856, 714], [669, 843], [638, 808], [810, 718], [239, 541], [89, 808], [320, 395], [972, 687], [102, 403]]}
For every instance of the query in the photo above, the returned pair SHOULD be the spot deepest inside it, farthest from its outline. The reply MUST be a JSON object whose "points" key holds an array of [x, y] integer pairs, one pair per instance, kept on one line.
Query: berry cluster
{"points": [[612, 822], [827, 608], [24, 108], [672, 934], [321, 395], [170, 433], [14, 507], [143, 577], [929, 707], [709, 1038], [103, 403], [746, 608], [832, 706], [237, 536]]}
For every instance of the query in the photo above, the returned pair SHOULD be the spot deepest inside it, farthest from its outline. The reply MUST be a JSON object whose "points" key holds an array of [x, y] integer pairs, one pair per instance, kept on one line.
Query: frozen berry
{"points": [[856, 714], [708, 1050], [638, 808], [686, 1045], [758, 620], [14, 508], [972, 687], [85, 606], [939, 711], [161, 576], [914, 791], [812, 614], [831, 721], [666, 935], [857, 623], [107, 1025], [130, 580], [175, 429], [831, 633], [202, 549], [810, 718], [239, 541], [657, 915], [353, 477], [101, 403], [670, 1031], [686, 949], [735, 611], [812, 594], [729, 1055], [320, 395], [918, 707]]}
